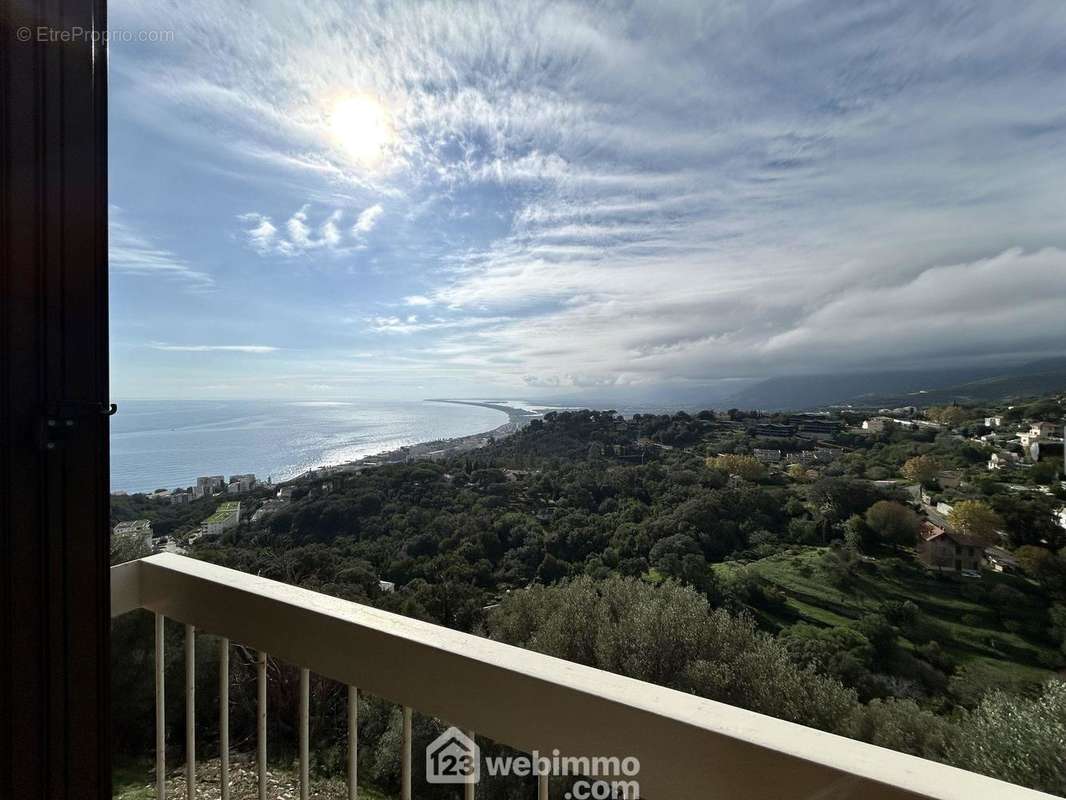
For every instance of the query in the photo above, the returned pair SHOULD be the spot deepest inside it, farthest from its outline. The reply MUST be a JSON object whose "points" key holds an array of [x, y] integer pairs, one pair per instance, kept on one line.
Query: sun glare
{"points": [[360, 125]]}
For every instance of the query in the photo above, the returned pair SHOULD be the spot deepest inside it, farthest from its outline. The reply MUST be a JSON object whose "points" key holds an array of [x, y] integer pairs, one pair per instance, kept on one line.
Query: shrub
{"points": [[1015, 739]]}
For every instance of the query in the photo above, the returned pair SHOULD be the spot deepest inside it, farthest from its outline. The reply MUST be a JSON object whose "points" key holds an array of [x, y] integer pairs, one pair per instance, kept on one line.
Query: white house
{"points": [[1002, 460], [876, 424], [993, 422]]}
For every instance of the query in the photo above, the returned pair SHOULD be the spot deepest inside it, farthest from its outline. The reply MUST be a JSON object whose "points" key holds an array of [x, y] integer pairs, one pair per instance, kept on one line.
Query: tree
{"points": [[128, 547], [746, 467], [1016, 739], [975, 518], [1045, 472], [921, 469], [680, 557], [952, 416], [894, 522], [669, 635]]}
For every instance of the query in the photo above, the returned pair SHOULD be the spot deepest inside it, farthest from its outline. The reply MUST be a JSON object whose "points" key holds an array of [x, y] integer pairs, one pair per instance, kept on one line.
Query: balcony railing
{"points": [[688, 747]]}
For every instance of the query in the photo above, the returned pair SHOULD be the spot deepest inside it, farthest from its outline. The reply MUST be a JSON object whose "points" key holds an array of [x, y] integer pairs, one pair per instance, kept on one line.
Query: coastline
{"points": [[517, 418], [386, 452]]}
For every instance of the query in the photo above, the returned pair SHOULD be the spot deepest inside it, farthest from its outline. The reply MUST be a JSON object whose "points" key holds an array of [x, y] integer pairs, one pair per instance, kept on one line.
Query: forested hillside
{"points": [[659, 548]]}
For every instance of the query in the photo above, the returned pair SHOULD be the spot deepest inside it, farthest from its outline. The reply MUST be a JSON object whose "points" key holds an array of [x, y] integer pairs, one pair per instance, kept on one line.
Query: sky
{"points": [[537, 199]]}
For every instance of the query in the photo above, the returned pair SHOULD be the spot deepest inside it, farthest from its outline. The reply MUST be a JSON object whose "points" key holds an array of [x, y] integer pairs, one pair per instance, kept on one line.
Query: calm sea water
{"points": [[164, 444]]}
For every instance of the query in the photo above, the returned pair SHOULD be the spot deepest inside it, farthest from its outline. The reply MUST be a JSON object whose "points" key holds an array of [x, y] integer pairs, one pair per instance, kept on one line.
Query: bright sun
{"points": [[361, 126]]}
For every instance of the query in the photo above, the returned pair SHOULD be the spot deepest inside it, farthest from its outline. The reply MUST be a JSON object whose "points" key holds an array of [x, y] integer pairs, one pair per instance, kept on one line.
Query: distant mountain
{"points": [[913, 387]]}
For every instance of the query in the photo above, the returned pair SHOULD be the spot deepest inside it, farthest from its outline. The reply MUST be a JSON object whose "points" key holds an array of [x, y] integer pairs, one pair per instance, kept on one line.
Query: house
{"points": [[766, 456], [1002, 460], [944, 508], [877, 424], [1040, 430], [1060, 517], [948, 551], [387, 586], [226, 516], [993, 422], [1001, 560], [285, 494]]}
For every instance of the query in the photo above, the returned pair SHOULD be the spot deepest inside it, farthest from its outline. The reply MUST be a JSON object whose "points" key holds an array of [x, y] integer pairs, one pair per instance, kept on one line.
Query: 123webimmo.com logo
{"points": [[454, 757]]}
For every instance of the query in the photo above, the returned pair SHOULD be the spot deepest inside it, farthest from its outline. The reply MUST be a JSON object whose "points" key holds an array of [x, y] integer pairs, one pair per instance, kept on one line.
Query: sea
{"points": [[164, 444]]}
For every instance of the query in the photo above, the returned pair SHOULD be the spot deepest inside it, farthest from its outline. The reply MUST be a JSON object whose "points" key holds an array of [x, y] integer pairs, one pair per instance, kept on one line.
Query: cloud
{"points": [[413, 324], [131, 253], [211, 348], [300, 233], [604, 195], [367, 219], [261, 233]]}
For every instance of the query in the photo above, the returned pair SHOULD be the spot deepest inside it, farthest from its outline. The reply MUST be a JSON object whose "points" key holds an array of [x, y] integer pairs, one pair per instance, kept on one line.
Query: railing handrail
{"points": [[688, 746]]}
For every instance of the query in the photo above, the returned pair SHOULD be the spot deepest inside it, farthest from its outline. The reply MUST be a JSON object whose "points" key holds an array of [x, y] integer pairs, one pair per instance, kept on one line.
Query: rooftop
{"points": [[224, 511]]}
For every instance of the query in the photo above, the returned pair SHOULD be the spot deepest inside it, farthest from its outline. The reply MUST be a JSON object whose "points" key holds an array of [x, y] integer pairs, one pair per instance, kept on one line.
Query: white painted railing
{"points": [[688, 747]]}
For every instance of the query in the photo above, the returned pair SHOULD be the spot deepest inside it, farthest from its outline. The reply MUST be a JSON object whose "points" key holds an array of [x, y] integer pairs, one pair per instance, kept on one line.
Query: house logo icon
{"points": [[453, 757]]}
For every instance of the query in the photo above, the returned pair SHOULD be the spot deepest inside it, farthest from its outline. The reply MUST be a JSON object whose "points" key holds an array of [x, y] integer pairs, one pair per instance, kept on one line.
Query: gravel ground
{"points": [[244, 784]]}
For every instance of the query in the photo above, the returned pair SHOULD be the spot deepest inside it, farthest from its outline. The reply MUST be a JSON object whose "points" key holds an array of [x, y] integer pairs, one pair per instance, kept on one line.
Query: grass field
{"points": [[960, 613]]}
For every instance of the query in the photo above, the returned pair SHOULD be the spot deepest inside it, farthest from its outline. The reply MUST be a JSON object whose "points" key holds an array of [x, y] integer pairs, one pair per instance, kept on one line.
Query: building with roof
{"points": [[244, 482], [226, 516], [1001, 560], [207, 485], [948, 551]]}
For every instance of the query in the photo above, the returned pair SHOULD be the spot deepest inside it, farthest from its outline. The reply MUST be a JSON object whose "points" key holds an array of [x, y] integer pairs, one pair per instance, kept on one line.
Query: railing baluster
{"points": [[305, 716], [468, 787], [261, 723], [223, 716], [190, 711], [405, 771], [353, 742], [160, 713]]}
